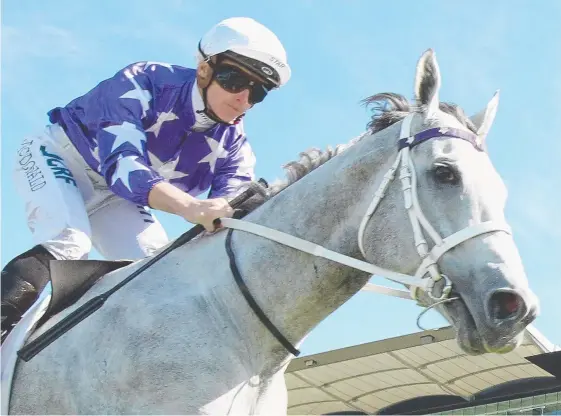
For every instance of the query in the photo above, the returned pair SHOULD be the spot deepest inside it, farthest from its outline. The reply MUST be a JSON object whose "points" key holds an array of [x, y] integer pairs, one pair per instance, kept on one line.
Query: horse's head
{"points": [[459, 194]]}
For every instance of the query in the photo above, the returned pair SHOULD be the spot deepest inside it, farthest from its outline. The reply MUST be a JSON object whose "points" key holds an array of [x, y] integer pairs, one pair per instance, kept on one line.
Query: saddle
{"points": [[71, 279]]}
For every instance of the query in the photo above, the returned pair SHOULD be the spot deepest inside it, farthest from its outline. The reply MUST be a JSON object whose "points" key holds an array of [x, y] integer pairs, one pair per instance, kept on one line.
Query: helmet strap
{"points": [[207, 110]]}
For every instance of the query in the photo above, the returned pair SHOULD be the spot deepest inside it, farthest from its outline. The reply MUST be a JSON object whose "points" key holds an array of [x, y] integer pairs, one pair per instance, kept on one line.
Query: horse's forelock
{"points": [[389, 108]]}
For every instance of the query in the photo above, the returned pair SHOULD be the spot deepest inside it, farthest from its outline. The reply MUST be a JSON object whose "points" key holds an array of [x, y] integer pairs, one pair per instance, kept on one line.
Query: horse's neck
{"points": [[297, 290]]}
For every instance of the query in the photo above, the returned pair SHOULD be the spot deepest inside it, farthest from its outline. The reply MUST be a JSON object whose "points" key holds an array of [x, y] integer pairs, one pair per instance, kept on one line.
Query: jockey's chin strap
{"points": [[429, 259]]}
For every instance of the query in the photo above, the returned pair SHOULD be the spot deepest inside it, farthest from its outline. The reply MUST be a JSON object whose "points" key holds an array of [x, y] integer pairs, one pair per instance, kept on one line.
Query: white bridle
{"points": [[429, 259]]}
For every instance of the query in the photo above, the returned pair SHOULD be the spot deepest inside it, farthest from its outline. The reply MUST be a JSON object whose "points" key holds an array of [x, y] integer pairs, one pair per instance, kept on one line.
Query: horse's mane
{"points": [[387, 109]]}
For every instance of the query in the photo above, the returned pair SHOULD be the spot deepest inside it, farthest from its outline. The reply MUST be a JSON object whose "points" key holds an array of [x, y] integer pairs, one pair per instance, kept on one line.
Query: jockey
{"points": [[153, 136]]}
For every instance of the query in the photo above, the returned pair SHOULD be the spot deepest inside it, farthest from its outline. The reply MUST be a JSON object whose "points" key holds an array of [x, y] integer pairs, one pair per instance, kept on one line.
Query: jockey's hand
{"points": [[206, 211]]}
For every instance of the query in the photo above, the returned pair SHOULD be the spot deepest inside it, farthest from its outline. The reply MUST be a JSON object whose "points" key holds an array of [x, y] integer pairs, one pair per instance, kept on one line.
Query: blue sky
{"points": [[340, 52]]}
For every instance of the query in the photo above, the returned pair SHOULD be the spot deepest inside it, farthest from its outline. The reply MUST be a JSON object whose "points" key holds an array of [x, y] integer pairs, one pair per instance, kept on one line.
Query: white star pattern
{"points": [[443, 130], [125, 166], [127, 133], [217, 151], [245, 170], [248, 162], [152, 64], [95, 154], [162, 118], [167, 169], [143, 96], [136, 69]]}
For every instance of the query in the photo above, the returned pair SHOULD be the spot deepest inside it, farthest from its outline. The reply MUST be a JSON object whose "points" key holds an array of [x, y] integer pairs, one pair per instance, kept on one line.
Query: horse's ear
{"points": [[427, 82], [484, 119]]}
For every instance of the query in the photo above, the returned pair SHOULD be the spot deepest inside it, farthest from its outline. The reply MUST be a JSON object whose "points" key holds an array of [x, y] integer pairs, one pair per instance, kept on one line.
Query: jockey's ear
{"points": [[204, 74]]}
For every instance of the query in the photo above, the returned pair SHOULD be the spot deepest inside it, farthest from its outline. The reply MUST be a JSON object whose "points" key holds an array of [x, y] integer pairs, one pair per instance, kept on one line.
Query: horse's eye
{"points": [[446, 174]]}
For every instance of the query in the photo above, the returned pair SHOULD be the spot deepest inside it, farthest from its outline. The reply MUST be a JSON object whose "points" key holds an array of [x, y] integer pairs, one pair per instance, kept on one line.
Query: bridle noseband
{"points": [[429, 259]]}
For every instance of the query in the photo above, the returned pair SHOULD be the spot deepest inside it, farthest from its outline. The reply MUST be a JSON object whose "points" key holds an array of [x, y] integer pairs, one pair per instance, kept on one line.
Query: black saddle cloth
{"points": [[70, 279]]}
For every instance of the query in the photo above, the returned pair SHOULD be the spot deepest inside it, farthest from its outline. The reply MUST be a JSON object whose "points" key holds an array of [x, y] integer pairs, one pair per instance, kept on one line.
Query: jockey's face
{"points": [[229, 93]]}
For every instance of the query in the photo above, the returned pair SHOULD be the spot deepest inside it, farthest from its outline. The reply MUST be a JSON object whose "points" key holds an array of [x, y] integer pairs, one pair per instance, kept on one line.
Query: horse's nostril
{"points": [[505, 305]]}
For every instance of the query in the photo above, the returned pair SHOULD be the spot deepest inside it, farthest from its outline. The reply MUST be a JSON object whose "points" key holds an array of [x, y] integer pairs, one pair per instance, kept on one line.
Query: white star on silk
{"points": [[167, 169], [143, 96], [217, 151], [247, 162], [244, 170], [136, 69], [162, 118], [95, 154], [125, 166], [151, 63], [127, 133]]}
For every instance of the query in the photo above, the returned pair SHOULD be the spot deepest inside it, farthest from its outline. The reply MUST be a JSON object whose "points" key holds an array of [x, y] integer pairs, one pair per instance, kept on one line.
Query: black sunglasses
{"points": [[235, 80]]}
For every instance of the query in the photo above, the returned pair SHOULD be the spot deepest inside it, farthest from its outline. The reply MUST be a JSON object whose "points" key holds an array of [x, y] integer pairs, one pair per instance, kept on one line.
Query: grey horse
{"points": [[181, 338]]}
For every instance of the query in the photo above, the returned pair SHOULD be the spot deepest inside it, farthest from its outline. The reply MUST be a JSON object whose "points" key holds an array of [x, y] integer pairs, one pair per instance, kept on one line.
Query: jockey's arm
{"points": [[227, 181], [124, 162], [237, 169], [166, 197]]}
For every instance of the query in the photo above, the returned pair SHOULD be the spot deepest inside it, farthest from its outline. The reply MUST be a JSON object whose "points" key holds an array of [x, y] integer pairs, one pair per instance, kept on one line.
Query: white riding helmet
{"points": [[244, 36]]}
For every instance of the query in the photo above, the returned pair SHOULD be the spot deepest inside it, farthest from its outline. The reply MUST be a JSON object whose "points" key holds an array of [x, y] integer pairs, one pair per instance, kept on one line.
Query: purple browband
{"points": [[440, 132]]}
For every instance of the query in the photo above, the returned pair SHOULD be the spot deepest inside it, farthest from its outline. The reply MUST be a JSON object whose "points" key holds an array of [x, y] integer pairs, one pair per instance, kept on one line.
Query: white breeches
{"points": [[69, 207]]}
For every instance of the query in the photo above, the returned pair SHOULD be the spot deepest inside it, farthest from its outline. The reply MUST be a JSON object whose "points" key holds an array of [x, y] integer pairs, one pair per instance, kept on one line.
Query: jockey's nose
{"points": [[243, 97]]}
